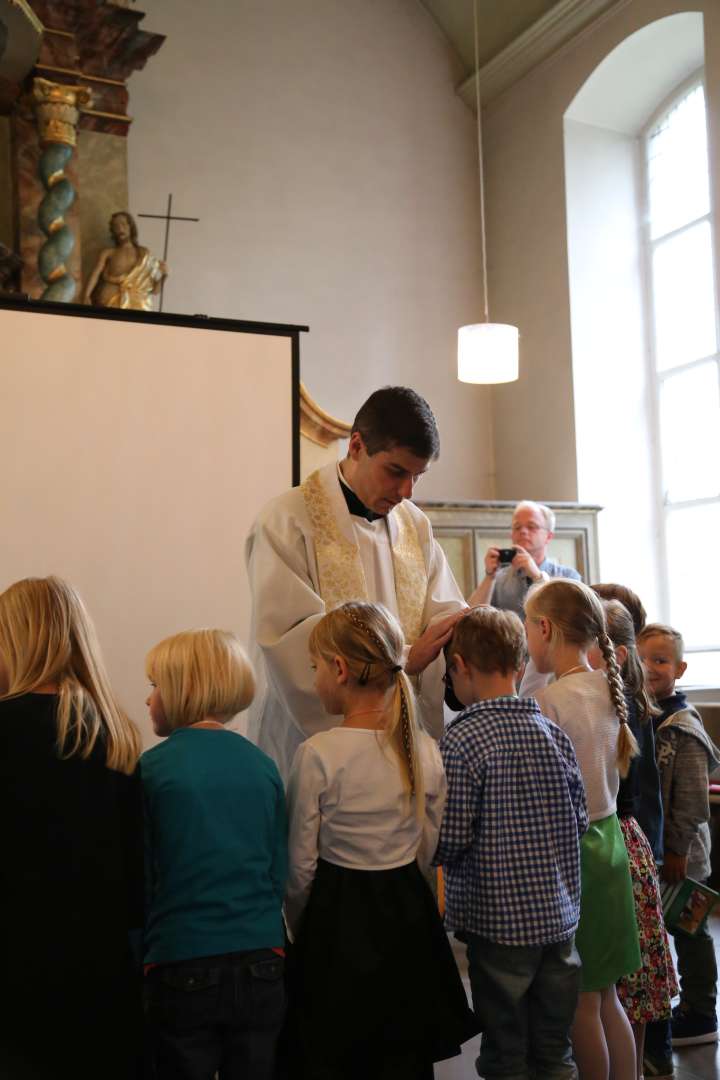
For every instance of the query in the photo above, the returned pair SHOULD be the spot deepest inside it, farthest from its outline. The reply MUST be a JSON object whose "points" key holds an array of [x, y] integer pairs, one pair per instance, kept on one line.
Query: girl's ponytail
{"points": [[371, 642], [627, 747], [401, 734]]}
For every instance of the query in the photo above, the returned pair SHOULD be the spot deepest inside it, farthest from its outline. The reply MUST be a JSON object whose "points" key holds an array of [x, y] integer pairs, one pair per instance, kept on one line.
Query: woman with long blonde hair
{"points": [[374, 987], [72, 849]]}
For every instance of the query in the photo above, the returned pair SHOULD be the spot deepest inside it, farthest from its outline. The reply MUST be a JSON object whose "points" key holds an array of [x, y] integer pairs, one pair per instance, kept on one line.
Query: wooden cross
{"points": [[167, 218]]}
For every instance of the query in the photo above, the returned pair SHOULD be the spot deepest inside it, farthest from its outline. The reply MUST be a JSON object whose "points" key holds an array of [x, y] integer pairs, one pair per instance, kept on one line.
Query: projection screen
{"points": [[136, 450]]}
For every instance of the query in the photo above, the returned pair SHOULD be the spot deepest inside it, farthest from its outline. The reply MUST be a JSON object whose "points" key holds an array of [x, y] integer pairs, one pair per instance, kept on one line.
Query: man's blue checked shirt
{"points": [[510, 838]]}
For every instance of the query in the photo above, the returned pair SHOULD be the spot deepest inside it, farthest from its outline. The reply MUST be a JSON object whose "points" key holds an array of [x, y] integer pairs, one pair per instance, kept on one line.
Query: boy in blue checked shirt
{"points": [[510, 851]]}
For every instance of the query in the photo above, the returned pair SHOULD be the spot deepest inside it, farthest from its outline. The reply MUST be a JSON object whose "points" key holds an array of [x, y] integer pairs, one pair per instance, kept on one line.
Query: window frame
{"points": [[656, 378]]}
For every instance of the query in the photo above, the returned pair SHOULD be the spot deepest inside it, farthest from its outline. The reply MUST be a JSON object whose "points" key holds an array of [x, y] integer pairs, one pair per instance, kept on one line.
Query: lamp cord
{"points": [[480, 163]]}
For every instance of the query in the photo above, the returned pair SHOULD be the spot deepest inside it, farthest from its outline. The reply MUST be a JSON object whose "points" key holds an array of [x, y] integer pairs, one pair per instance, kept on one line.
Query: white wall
{"points": [[333, 169], [613, 416], [534, 419]]}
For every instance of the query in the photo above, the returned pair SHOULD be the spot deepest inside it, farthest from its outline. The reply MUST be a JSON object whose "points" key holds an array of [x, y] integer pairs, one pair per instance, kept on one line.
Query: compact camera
{"points": [[506, 555]]}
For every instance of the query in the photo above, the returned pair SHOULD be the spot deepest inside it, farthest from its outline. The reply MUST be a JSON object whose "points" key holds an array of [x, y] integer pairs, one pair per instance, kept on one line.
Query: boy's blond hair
{"points": [[201, 673], [490, 640], [657, 629]]}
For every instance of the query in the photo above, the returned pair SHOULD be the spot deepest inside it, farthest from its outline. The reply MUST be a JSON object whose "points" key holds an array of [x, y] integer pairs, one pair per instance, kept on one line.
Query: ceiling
{"points": [[499, 23]]}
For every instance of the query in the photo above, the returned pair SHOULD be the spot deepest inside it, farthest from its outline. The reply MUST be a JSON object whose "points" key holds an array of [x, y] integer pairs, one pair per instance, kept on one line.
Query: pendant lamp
{"points": [[487, 352]]}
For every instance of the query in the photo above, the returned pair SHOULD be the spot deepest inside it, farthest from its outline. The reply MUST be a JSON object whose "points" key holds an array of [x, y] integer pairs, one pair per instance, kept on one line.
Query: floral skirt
{"points": [[646, 994]]}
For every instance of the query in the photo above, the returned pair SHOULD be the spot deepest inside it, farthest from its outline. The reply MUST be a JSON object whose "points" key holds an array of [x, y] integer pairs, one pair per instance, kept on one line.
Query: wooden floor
{"points": [[691, 1062]]}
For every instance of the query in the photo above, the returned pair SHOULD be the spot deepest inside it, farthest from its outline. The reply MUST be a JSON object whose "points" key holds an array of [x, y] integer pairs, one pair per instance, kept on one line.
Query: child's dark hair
{"points": [[628, 599], [576, 615], [490, 640], [621, 632]]}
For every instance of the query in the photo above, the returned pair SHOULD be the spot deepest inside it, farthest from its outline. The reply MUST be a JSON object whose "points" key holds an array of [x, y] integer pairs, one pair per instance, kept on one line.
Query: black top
{"points": [[70, 889], [639, 793]]}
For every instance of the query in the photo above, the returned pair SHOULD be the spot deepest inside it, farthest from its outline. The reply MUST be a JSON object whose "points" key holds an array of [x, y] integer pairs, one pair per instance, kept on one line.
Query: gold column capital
{"points": [[57, 110]]}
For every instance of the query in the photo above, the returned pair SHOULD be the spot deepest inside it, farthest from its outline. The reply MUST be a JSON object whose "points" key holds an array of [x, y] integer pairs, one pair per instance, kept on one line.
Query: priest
{"points": [[350, 532]]}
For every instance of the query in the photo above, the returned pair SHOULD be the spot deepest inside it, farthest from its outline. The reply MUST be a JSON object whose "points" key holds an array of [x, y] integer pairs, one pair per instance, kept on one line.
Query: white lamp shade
{"points": [[488, 353]]}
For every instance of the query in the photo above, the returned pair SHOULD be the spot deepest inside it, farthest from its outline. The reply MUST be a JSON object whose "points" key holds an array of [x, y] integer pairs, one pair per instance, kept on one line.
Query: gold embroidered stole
{"points": [[340, 568]]}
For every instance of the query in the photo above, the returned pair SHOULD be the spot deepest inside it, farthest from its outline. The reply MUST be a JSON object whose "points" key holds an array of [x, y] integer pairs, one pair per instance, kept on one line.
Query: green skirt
{"points": [[607, 935]]}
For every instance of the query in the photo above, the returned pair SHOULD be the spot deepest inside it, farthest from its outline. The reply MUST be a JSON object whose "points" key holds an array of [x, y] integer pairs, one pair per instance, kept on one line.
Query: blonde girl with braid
{"points": [[646, 994], [71, 803], [565, 620], [374, 989]]}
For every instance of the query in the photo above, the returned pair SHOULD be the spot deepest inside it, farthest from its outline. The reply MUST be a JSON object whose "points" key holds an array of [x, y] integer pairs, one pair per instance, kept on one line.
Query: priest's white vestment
{"points": [[306, 554]]}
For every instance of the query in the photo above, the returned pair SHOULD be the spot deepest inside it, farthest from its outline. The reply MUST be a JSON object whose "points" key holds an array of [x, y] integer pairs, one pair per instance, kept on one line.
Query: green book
{"points": [[686, 905]]}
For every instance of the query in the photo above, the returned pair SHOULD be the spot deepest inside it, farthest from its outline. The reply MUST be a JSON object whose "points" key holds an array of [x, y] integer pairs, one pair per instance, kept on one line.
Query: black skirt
{"points": [[372, 973]]}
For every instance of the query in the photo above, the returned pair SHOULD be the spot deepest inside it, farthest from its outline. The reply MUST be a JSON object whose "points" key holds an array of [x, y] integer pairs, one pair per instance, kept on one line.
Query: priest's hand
{"points": [[428, 645]]}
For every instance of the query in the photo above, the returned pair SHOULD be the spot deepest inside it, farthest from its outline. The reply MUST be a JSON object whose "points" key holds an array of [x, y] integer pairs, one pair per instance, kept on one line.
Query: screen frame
{"points": [[193, 322]]}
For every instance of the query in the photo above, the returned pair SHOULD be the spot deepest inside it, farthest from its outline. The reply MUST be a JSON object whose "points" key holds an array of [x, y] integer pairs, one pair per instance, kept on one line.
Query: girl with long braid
{"points": [[646, 995], [565, 619], [374, 989]]}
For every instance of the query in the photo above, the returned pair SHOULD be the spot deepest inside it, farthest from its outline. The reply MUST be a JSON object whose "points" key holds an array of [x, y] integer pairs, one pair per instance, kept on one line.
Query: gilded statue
{"points": [[125, 275]]}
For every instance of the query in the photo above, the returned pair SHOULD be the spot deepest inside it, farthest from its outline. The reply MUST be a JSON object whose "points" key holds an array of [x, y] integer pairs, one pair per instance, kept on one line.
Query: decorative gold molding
{"points": [[317, 425], [122, 118], [57, 110], [60, 33], [79, 74]]}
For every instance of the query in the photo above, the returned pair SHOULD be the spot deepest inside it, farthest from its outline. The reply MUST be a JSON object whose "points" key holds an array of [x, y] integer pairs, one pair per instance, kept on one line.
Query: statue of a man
{"points": [[126, 275]]}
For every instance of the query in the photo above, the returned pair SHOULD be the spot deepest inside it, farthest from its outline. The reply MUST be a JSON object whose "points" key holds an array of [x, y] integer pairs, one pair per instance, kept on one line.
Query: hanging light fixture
{"points": [[487, 352]]}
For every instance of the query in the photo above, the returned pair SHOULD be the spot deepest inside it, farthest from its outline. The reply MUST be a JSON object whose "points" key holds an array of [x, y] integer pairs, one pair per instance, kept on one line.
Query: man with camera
{"points": [[509, 572]]}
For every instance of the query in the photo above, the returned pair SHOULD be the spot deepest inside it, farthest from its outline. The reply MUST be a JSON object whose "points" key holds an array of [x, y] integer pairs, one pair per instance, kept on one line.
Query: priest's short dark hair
{"points": [[398, 416]]}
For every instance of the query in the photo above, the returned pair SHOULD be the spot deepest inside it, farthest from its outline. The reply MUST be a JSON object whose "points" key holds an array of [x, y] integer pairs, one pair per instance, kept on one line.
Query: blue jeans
{"points": [[216, 1014], [525, 999]]}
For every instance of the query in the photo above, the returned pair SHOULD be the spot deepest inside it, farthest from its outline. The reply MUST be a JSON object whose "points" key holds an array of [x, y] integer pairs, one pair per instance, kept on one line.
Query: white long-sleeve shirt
{"points": [[347, 805], [581, 705]]}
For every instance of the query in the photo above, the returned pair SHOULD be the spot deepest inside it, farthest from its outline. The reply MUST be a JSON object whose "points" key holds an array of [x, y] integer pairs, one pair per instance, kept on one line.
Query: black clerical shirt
{"points": [[354, 504]]}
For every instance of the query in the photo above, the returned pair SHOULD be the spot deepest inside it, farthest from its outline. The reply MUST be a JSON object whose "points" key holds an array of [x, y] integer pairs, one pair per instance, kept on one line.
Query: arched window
{"points": [[685, 373]]}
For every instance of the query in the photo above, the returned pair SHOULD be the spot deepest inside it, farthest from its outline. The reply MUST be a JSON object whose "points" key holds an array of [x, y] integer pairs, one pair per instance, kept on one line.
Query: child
{"points": [[564, 620], [640, 792], [510, 849], [216, 853], [646, 995], [629, 600], [71, 888], [686, 756], [374, 990]]}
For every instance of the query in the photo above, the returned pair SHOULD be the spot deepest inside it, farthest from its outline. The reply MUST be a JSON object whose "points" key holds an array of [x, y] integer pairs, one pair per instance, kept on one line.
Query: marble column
{"points": [[57, 111]]}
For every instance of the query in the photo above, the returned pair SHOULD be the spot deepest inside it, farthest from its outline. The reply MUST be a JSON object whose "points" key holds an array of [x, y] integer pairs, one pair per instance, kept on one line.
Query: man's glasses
{"points": [[529, 528]]}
